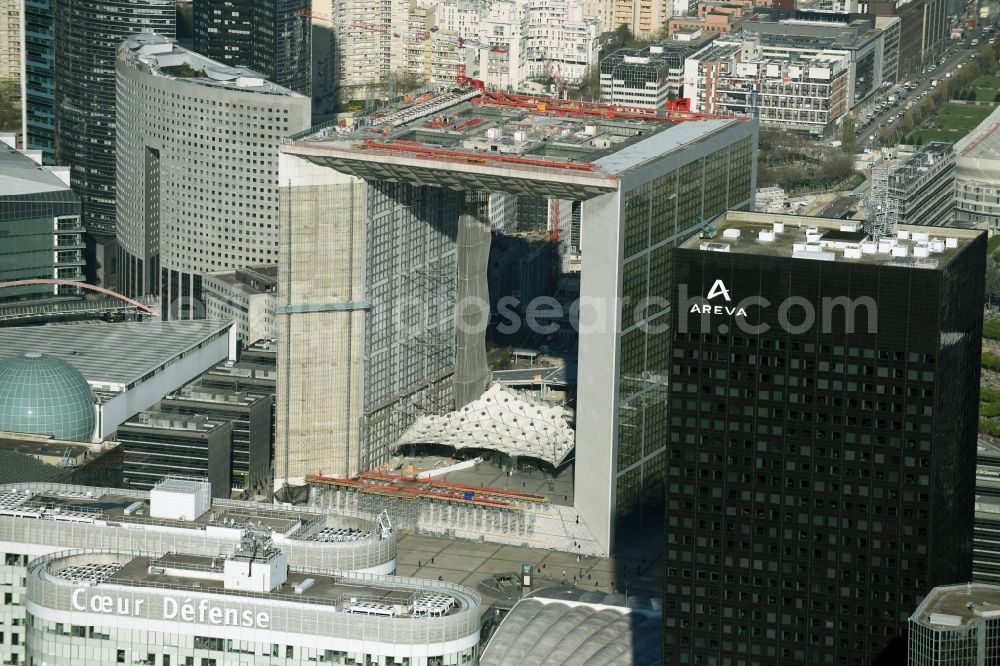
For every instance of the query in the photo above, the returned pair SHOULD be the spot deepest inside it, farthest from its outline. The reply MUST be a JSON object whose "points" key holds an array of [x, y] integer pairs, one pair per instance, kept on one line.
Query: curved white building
{"points": [[170, 609], [977, 176], [179, 516], [197, 156]]}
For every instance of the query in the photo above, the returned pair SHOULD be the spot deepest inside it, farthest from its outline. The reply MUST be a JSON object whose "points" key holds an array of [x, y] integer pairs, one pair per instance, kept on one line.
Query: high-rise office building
{"points": [[12, 58], [40, 86], [272, 37], [923, 31], [282, 43], [223, 31], [822, 436], [197, 147], [384, 259], [87, 36]]}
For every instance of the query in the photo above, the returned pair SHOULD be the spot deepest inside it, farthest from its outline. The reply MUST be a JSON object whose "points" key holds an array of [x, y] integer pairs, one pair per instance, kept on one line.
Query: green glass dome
{"points": [[47, 396]]}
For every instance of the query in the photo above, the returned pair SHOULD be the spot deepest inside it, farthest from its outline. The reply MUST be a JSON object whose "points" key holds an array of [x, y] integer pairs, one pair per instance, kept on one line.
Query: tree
{"points": [[906, 124], [940, 93], [590, 84], [10, 106], [884, 136], [402, 81], [987, 59], [623, 35], [837, 167], [992, 282], [848, 136]]}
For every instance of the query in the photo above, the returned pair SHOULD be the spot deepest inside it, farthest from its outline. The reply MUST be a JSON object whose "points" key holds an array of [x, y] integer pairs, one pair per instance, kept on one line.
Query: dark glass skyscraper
{"points": [[822, 437], [39, 30], [223, 30], [269, 36], [87, 35]]}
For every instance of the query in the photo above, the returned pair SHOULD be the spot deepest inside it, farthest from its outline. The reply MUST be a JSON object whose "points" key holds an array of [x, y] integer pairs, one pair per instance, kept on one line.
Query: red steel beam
{"points": [[596, 109]]}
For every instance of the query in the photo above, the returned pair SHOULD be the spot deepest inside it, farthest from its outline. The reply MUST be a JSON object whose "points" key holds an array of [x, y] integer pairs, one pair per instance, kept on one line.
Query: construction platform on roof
{"points": [[487, 140]]}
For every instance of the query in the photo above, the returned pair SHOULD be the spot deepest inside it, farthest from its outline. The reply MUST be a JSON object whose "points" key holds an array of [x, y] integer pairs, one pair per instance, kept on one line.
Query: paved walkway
{"points": [[638, 569]]}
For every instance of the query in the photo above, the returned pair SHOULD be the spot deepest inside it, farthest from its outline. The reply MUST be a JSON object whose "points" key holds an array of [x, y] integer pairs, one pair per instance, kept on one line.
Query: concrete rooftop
{"points": [[467, 139], [118, 354], [110, 506], [20, 175], [162, 57], [327, 590], [826, 239], [957, 605]]}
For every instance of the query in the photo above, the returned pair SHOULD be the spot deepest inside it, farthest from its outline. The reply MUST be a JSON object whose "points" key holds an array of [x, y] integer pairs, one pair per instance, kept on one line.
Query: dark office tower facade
{"points": [[39, 46], [822, 437], [282, 43], [87, 35], [269, 36], [223, 30]]}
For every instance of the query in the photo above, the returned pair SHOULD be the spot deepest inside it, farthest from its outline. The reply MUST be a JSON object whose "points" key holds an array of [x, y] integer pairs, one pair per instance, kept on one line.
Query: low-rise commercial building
{"points": [[889, 25], [923, 185], [246, 296], [986, 529], [808, 93], [712, 21], [129, 365], [956, 624], [648, 77], [249, 605], [41, 236], [986, 535], [580, 626], [923, 30], [800, 34], [255, 373], [251, 428], [977, 176], [156, 445], [179, 516]]}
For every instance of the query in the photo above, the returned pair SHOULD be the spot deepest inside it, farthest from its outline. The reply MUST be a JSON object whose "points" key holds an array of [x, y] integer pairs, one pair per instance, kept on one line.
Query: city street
{"points": [[892, 114]]}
